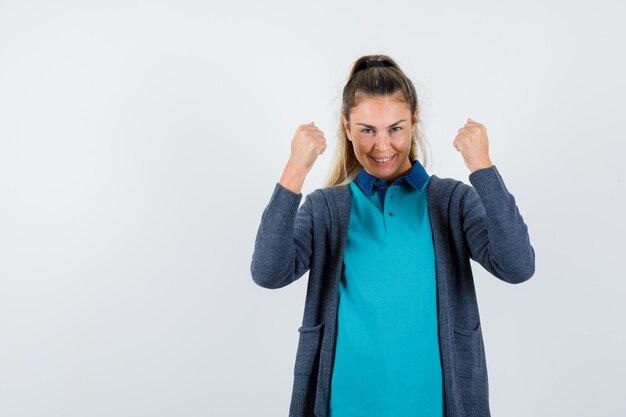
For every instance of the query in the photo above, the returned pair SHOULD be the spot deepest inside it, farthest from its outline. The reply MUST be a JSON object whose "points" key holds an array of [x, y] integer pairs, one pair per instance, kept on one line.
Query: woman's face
{"points": [[380, 128]]}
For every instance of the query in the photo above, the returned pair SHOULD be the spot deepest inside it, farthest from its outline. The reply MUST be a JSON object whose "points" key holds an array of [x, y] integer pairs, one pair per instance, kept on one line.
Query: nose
{"points": [[382, 142]]}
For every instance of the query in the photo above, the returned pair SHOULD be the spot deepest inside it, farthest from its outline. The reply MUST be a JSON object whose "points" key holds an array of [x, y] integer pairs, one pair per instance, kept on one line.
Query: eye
{"points": [[364, 130], [397, 127]]}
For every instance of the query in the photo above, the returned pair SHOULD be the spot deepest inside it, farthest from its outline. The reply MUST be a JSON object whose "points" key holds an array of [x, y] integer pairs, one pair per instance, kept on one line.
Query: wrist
{"points": [[483, 165], [292, 178]]}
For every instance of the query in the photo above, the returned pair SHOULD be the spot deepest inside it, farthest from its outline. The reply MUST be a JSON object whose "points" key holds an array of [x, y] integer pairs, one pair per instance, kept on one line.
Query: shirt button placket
{"points": [[390, 212]]}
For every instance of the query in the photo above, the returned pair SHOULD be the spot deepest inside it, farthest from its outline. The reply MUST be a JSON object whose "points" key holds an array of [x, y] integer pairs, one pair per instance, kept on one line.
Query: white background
{"points": [[140, 142]]}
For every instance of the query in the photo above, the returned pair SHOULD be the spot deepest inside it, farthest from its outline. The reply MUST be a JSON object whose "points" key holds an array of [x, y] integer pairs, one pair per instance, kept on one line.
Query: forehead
{"points": [[379, 108]]}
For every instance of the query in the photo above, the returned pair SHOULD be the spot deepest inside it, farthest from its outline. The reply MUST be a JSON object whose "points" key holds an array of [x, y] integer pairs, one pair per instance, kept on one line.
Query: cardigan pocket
{"points": [[469, 352], [308, 349], [305, 379]]}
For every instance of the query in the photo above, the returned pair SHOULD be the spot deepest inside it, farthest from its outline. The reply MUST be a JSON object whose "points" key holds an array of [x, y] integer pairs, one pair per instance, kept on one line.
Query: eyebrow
{"points": [[373, 127]]}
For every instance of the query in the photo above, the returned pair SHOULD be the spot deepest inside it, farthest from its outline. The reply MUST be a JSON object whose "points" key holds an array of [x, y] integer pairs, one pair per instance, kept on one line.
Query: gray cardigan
{"points": [[481, 222]]}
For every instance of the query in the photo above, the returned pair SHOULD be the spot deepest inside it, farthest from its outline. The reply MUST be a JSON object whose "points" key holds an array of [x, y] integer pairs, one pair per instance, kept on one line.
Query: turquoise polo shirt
{"points": [[387, 360]]}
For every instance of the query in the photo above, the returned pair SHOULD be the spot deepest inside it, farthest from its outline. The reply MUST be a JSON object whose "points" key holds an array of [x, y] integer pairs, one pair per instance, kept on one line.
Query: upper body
{"points": [[481, 222]]}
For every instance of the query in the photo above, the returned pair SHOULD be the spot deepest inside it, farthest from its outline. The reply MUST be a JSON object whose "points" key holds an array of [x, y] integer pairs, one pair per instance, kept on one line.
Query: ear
{"points": [[346, 127]]}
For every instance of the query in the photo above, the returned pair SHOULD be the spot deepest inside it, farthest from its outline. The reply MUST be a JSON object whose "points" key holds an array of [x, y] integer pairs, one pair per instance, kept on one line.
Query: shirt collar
{"points": [[416, 178]]}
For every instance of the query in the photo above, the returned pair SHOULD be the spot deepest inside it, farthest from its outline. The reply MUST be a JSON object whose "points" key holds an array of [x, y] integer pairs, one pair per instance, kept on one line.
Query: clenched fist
{"points": [[471, 140], [307, 144]]}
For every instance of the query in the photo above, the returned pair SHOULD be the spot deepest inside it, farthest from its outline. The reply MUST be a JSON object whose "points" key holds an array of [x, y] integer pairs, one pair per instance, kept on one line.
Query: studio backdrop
{"points": [[141, 141]]}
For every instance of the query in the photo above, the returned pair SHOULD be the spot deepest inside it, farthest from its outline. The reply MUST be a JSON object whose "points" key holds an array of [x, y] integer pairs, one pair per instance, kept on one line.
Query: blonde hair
{"points": [[373, 81]]}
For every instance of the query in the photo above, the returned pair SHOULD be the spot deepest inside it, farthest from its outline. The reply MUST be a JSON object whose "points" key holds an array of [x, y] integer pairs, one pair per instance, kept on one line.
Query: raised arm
{"points": [[494, 229], [283, 245]]}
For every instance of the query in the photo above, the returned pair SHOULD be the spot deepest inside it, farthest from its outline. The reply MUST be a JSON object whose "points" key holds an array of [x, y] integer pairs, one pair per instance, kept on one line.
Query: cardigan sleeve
{"points": [[283, 244], [494, 228]]}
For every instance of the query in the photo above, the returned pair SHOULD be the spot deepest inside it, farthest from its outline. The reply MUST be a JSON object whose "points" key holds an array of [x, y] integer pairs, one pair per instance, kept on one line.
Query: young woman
{"points": [[391, 325]]}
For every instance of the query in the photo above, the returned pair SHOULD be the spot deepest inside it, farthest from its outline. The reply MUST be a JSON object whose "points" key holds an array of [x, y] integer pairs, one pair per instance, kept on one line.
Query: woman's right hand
{"points": [[307, 144]]}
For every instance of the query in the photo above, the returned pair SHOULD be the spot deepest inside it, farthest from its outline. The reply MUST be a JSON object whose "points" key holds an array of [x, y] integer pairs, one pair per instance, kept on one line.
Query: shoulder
{"points": [[330, 193], [483, 182], [447, 186], [330, 199]]}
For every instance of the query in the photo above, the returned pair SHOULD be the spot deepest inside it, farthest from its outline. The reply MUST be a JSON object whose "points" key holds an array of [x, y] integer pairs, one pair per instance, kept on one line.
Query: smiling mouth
{"points": [[383, 161]]}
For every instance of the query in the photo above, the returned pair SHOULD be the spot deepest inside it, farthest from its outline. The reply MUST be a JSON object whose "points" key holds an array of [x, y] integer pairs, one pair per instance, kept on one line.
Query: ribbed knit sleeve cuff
{"points": [[487, 181], [284, 201]]}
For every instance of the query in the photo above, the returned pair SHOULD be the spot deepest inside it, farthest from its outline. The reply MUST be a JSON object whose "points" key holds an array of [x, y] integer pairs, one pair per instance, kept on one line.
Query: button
{"points": [[390, 213]]}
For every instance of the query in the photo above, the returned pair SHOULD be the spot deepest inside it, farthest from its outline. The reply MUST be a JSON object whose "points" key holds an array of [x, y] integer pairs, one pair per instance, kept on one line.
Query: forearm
{"points": [[503, 247], [293, 177], [279, 255]]}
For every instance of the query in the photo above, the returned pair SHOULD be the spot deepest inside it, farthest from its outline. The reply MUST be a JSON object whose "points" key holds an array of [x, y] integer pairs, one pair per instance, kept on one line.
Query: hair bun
{"points": [[373, 63]]}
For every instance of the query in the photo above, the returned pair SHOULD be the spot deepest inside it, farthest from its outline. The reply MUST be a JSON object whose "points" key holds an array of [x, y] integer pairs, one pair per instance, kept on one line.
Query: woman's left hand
{"points": [[473, 144]]}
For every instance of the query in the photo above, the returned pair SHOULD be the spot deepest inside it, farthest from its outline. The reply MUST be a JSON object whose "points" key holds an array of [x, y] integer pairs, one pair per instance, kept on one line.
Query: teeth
{"points": [[383, 160]]}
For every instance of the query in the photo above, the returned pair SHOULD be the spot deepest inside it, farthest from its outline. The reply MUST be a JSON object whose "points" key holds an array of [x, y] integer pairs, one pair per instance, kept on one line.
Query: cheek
{"points": [[404, 141], [364, 149], [365, 142], [360, 145]]}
